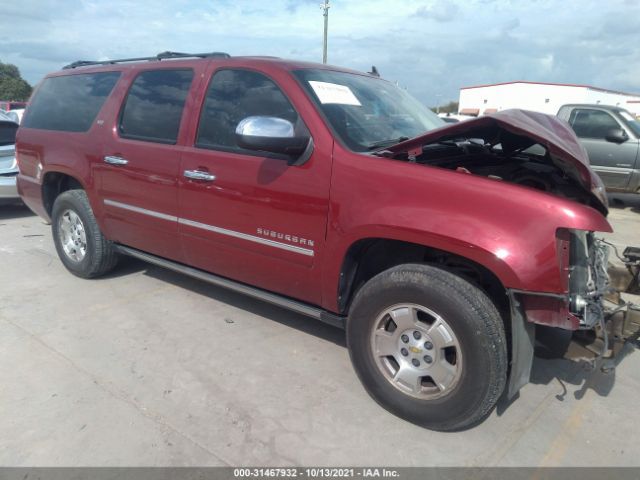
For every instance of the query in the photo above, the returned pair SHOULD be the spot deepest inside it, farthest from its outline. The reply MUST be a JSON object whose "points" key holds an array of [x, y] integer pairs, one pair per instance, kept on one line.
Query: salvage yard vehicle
{"points": [[15, 114], [611, 136], [11, 105], [8, 166], [334, 194]]}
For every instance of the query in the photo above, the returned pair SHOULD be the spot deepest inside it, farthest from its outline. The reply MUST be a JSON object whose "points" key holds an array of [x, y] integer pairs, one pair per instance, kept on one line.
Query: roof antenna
{"points": [[374, 71]]}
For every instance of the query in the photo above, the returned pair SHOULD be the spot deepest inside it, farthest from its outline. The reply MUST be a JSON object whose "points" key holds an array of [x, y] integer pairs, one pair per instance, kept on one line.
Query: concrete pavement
{"points": [[147, 367]]}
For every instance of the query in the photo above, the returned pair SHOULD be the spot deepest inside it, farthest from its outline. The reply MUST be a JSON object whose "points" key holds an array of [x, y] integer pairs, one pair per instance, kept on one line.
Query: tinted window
{"points": [[69, 103], [234, 95], [589, 123], [154, 105]]}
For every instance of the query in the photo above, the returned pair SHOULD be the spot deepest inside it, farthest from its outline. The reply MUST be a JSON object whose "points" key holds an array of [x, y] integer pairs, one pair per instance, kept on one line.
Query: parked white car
{"points": [[454, 117], [15, 115], [8, 164]]}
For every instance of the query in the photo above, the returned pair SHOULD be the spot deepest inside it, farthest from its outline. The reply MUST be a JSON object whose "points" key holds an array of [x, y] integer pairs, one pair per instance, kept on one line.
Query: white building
{"points": [[539, 97]]}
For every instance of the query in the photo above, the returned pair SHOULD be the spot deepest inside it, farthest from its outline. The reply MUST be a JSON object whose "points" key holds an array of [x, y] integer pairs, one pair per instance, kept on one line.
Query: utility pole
{"points": [[325, 12]]}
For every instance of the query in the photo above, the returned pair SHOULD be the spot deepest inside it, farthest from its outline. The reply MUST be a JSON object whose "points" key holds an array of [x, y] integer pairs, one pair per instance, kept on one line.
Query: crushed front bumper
{"points": [[603, 322], [589, 280]]}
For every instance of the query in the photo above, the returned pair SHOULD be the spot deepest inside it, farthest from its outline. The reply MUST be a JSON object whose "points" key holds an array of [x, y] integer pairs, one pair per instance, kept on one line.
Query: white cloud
{"points": [[432, 47]]}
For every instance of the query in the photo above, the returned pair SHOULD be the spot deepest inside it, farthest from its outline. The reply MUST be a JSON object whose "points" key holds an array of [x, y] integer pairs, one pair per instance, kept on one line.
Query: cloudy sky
{"points": [[431, 47]]}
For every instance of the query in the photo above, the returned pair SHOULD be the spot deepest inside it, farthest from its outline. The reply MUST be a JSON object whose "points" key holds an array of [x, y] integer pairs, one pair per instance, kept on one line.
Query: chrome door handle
{"points": [[199, 175], [112, 160]]}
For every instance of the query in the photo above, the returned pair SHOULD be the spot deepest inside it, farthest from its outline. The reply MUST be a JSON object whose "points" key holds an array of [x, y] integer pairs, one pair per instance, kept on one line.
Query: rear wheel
{"points": [[79, 242], [428, 346]]}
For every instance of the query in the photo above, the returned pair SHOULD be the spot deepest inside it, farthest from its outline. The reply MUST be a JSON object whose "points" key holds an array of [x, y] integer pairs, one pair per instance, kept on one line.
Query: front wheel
{"points": [[428, 346]]}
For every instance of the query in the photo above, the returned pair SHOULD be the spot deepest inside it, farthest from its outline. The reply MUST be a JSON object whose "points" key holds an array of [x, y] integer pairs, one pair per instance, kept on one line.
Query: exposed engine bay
{"points": [[539, 151], [531, 167], [525, 148]]}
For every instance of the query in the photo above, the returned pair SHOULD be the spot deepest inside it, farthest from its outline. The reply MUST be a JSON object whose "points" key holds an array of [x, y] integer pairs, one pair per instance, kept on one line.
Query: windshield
{"points": [[366, 112], [633, 123]]}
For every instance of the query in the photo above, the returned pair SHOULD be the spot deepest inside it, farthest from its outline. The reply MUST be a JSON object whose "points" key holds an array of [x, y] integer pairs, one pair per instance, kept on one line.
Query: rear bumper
{"points": [[30, 191], [8, 187]]}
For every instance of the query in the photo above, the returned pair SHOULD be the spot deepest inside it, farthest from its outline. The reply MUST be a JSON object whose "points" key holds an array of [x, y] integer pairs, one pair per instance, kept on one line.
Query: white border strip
{"points": [[211, 228]]}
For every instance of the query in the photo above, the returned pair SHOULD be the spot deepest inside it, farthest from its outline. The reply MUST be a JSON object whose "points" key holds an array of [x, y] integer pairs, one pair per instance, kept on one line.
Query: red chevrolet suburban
{"points": [[337, 195]]}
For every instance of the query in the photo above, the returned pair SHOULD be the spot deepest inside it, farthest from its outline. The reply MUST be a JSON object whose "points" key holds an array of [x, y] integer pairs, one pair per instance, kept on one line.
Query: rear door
{"points": [[252, 217], [137, 174], [614, 162]]}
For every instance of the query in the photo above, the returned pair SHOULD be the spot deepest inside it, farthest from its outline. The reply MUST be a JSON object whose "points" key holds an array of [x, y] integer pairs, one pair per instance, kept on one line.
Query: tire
{"points": [[467, 371], [82, 248]]}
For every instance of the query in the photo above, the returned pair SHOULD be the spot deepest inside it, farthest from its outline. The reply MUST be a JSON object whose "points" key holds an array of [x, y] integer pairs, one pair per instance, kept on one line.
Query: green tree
{"points": [[451, 107], [12, 85]]}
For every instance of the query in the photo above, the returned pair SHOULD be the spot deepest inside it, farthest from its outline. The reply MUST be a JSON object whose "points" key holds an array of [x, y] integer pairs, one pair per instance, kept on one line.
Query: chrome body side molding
{"points": [[143, 211], [212, 228], [245, 236]]}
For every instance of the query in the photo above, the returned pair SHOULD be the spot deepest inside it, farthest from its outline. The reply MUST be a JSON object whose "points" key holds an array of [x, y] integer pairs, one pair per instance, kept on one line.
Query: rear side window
{"points": [[69, 103], [154, 105], [588, 123], [234, 95]]}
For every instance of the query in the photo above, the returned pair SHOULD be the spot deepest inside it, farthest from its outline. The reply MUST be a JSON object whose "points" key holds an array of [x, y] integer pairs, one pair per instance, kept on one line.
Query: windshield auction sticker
{"points": [[334, 93]]}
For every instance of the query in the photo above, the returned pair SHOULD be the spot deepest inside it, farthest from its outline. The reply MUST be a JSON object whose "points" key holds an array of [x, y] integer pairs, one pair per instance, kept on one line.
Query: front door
{"points": [[613, 162], [137, 174], [250, 216]]}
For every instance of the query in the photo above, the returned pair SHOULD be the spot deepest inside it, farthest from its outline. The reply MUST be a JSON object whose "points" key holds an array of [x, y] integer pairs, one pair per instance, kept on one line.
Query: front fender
{"points": [[507, 228]]}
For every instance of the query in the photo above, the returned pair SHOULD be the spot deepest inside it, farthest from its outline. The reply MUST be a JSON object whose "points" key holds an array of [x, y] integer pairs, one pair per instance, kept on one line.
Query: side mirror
{"points": [[616, 135], [270, 134]]}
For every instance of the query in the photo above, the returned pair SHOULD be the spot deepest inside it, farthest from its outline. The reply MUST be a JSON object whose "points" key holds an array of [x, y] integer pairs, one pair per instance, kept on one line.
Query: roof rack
{"points": [[158, 57]]}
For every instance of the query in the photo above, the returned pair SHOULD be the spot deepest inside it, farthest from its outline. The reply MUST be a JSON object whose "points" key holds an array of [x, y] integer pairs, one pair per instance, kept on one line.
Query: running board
{"points": [[273, 298]]}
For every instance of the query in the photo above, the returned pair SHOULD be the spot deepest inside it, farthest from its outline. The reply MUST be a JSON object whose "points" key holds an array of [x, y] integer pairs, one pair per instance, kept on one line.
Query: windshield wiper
{"points": [[386, 143]]}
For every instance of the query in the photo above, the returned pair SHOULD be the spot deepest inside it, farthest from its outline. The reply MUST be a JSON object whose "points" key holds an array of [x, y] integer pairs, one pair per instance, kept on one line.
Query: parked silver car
{"points": [[8, 164], [611, 136]]}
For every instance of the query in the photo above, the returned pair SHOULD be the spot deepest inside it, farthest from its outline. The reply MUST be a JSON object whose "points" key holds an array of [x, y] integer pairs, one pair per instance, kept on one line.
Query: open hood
{"points": [[518, 130]]}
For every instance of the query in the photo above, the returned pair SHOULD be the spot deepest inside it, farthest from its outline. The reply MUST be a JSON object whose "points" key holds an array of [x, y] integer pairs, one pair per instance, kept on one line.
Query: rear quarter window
{"points": [[69, 103]]}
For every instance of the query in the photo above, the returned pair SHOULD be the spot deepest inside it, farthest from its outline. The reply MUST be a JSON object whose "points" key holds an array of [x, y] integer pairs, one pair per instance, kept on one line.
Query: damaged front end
{"points": [[540, 152], [609, 319], [606, 320], [588, 278], [604, 323], [515, 146]]}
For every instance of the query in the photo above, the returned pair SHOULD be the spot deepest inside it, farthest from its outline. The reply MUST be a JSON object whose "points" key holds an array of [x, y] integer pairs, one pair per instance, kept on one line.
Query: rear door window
{"points": [[69, 103], [153, 108], [588, 123]]}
